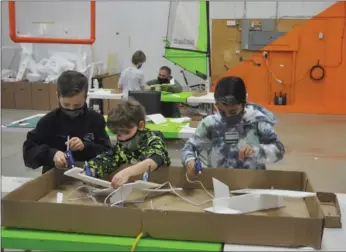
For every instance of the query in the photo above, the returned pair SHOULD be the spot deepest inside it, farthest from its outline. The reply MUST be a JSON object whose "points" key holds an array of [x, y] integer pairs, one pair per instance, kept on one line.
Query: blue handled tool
{"points": [[87, 169], [69, 157], [146, 175], [198, 165]]}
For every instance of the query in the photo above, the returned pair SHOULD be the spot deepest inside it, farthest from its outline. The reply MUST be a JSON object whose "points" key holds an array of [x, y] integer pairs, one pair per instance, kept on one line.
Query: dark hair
{"points": [[138, 57], [230, 90], [126, 115], [71, 83], [167, 69]]}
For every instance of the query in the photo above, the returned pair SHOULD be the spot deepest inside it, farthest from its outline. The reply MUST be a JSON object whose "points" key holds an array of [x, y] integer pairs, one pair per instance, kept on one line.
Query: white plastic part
{"points": [[77, 173], [275, 192], [59, 197], [96, 84]]}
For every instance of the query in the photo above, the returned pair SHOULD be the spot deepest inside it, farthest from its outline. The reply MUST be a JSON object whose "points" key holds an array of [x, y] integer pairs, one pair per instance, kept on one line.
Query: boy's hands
{"points": [[60, 159], [246, 151], [191, 168], [120, 178], [76, 144]]}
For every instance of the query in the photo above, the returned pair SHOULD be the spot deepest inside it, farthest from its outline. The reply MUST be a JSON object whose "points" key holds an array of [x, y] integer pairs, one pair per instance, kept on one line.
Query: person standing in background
{"points": [[132, 78], [166, 82]]}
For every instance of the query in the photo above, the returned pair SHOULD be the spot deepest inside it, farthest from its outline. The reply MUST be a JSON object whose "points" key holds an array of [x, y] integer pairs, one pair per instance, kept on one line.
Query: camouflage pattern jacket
{"points": [[255, 129], [150, 144]]}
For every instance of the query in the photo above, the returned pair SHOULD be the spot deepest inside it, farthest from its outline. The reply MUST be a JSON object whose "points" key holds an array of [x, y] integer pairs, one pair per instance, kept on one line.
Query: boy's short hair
{"points": [[138, 57], [71, 83], [126, 115], [167, 69], [230, 90]]}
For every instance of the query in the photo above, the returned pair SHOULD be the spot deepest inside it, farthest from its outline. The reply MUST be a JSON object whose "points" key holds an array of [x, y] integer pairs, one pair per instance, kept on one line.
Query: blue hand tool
{"points": [[69, 157], [198, 165], [87, 169], [146, 175]]}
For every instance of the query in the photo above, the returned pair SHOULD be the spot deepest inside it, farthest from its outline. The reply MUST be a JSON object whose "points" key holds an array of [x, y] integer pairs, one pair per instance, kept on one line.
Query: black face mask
{"points": [[73, 113], [232, 119], [133, 142], [162, 81]]}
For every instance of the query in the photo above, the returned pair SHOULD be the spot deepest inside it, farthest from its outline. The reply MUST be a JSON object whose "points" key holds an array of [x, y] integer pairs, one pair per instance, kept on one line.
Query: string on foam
{"points": [[173, 190]]}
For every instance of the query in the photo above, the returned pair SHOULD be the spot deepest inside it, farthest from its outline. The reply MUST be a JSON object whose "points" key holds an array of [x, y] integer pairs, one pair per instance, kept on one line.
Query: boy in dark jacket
{"points": [[47, 143], [136, 145]]}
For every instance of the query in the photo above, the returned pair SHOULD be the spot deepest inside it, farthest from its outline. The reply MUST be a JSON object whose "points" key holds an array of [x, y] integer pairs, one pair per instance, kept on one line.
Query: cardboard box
{"points": [[300, 223], [331, 209], [111, 81], [106, 108], [7, 95], [108, 81], [22, 95], [53, 96], [40, 96]]}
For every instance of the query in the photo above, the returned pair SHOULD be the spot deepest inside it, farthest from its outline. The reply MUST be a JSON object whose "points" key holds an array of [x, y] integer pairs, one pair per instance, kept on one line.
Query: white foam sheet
{"points": [[284, 193], [248, 203], [224, 204], [77, 173]]}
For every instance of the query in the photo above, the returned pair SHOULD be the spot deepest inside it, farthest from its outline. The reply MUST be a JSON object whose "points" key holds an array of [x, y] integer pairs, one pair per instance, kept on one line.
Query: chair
{"points": [[150, 100]]}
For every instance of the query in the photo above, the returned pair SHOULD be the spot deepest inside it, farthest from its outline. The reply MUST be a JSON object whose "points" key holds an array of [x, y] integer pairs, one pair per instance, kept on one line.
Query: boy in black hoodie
{"points": [[46, 144]]}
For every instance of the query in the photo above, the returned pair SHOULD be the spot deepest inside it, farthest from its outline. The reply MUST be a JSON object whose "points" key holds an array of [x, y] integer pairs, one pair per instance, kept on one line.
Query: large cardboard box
{"points": [[53, 96], [300, 223], [7, 95], [22, 95], [40, 96]]}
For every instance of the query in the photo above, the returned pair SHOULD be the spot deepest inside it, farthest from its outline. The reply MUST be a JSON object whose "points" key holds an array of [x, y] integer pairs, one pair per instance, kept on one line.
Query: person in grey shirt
{"points": [[132, 78], [166, 82]]}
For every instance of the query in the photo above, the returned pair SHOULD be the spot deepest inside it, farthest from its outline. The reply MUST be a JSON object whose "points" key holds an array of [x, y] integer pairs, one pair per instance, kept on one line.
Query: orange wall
{"points": [[291, 58]]}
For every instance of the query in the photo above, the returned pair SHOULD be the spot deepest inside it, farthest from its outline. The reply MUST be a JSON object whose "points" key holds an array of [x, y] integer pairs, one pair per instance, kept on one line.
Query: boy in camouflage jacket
{"points": [[239, 135], [135, 145]]}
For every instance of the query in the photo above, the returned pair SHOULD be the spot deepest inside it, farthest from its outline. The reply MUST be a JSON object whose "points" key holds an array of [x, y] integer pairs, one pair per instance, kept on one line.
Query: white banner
{"points": [[183, 24]]}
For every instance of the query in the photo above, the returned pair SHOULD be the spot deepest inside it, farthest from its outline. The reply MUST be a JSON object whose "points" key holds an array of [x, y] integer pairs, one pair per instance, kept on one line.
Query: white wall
{"points": [[124, 27]]}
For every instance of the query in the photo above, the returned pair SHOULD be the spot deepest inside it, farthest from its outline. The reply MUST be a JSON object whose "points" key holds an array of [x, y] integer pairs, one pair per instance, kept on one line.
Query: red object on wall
{"points": [[18, 39]]}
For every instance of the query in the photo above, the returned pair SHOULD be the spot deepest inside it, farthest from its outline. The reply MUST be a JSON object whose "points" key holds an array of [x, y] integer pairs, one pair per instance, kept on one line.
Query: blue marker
{"points": [[69, 157], [146, 175], [87, 169], [198, 165]]}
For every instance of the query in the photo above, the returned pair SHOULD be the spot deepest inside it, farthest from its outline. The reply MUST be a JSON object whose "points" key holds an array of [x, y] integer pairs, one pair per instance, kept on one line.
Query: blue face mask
{"points": [[231, 119], [139, 66]]}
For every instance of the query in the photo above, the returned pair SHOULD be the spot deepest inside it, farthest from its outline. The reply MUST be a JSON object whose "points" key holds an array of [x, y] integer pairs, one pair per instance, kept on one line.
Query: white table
{"points": [[107, 95], [102, 94]]}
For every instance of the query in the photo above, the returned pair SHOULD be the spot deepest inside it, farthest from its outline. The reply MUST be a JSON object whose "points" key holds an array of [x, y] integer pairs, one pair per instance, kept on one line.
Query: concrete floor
{"points": [[315, 144]]}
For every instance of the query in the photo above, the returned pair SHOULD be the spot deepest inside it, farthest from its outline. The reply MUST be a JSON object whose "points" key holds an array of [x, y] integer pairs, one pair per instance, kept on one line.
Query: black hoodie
{"points": [[51, 133]]}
